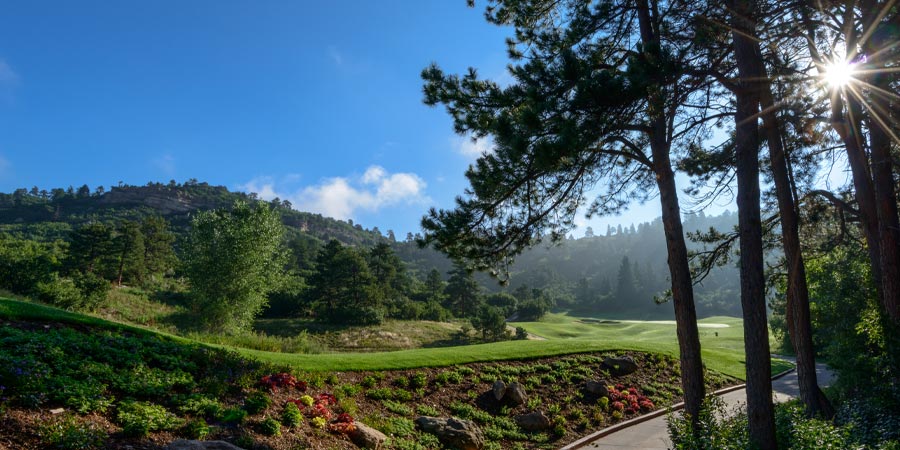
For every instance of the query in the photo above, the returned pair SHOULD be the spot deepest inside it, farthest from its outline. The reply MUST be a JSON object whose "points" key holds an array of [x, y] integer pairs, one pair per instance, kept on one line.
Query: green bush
{"points": [[201, 405], [291, 416], [138, 419], [196, 429], [60, 292], [234, 415], [270, 427], [256, 403], [93, 289], [69, 433], [397, 408], [84, 396], [394, 426], [427, 410], [418, 380]]}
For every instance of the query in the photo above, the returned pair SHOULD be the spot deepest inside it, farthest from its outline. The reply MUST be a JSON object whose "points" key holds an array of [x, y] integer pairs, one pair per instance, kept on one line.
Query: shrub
{"points": [[196, 429], [69, 433], [256, 403], [291, 415], [270, 427], [418, 380], [93, 290], [202, 406], [138, 419], [234, 415], [427, 410], [83, 396], [397, 408], [60, 292], [394, 426]]}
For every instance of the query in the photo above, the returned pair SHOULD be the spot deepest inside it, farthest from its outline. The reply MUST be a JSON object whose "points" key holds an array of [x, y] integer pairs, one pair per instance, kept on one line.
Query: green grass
{"points": [[722, 348], [723, 354]]}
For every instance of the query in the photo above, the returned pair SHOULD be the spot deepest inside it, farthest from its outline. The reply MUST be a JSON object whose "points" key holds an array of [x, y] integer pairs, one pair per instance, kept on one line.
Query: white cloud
{"points": [[166, 164], [473, 148], [374, 174], [343, 197], [7, 74], [264, 187]]}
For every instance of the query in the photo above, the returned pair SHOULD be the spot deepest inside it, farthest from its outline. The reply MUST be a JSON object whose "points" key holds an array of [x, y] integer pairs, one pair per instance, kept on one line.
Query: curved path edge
{"points": [[652, 415]]}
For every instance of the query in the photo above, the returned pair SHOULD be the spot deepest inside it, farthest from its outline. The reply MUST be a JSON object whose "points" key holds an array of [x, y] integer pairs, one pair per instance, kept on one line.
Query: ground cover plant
{"points": [[120, 387]]}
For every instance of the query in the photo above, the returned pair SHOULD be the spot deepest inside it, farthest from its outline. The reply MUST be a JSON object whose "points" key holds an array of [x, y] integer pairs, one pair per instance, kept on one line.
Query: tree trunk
{"points": [[799, 323], [679, 268], [682, 288], [879, 120], [849, 127], [760, 410]]}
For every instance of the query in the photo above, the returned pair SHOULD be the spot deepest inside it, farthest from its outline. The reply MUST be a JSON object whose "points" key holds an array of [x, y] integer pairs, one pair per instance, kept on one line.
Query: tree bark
{"points": [[879, 120], [798, 317], [760, 410], [679, 266]]}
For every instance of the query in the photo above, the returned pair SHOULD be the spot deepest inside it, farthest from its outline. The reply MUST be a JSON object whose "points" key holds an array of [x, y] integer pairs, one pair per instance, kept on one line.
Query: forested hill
{"points": [[615, 271], [620, 269], [51, 214]]}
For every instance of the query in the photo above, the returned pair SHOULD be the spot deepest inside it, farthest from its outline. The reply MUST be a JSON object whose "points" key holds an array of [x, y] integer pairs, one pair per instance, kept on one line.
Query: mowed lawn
{"points": [[723, 354], [721, 337]]}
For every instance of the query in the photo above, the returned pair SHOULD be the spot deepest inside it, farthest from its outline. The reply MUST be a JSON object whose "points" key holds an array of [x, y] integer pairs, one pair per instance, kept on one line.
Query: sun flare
{"points": [[839, 73]]}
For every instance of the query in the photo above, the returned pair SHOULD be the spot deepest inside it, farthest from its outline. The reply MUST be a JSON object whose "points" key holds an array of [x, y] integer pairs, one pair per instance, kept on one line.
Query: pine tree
{"points": [[159, 251], [626, 292], [129, 243], [462, 292]]}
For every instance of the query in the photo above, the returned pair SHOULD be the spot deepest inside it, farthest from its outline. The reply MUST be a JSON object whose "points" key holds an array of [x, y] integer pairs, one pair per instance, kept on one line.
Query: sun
{"points": [[839, 73]]}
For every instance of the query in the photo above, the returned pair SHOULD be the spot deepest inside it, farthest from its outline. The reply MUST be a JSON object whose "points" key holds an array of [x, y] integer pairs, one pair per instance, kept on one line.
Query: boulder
{"points": [[597, 387], [366, 437], [453, 432], [535, 421], [515, 394], [620, 366], [184, 444], [499, 389]]}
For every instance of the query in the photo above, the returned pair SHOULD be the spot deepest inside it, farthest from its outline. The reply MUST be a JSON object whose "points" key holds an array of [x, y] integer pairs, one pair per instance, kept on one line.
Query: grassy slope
{"points": [[724, 359]]}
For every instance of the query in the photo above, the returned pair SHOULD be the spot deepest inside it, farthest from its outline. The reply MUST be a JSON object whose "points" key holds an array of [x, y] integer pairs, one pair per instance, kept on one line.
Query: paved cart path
{"points": [[653, 435]]}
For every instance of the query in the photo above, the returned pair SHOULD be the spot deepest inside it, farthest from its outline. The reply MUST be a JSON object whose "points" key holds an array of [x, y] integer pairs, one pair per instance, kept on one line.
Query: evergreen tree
{"points": [[434, 286], [344, 288], [626, 293], [129, 243], [462, 292], [159, 241], [490, 322], [90, 248]]}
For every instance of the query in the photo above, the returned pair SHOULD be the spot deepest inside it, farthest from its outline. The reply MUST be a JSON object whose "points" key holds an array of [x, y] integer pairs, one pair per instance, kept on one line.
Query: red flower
{"points": [[618, 406], [320, 410], [341, 427], [326, 399], [273, 382], [344, 418]]}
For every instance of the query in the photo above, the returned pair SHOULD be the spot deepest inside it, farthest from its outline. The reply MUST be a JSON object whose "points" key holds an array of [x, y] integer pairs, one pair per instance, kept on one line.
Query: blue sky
{"points": [[316, 102]]}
